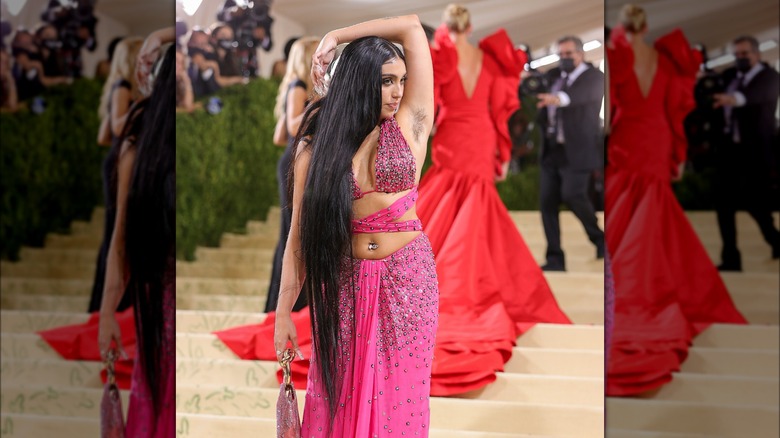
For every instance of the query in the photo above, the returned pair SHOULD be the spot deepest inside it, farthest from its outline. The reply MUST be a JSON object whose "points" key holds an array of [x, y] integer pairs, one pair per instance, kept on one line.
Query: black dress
{"points": [[282, 170], [110, 186]]}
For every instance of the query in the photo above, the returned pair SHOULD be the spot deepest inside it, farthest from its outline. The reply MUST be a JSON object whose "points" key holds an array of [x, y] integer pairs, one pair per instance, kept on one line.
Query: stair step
{"points": [[728, 390], [59, 303], [26, 426], [732, 362], [556, 361], [55, 401], [199, 321], [218, 270], [45, 286], [26, 321], [220, 286], [81, 271], [726, 421], [25, 346], [457, 414], [58, 255], [761, 337], [63, 241], [55, 372]]}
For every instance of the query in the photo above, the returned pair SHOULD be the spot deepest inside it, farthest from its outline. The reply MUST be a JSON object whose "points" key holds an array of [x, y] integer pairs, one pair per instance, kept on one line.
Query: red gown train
{"points": [[667, 289]]}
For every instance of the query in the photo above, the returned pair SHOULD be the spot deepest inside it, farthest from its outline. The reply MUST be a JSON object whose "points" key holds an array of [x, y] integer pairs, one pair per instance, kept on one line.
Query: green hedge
{"points": [[51, 166], [225, 166]]}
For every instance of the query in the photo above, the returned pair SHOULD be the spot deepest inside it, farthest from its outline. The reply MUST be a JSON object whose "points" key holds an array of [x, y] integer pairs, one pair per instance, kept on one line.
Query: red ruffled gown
{"points": [[491, 288], [667, 289]]}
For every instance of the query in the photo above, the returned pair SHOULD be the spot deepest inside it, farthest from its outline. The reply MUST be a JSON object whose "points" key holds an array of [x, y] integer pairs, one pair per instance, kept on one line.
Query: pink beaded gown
{"points": [[389, 320]]}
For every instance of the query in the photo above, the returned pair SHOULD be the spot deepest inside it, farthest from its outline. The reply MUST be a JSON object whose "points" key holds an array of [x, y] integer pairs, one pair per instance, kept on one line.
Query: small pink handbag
{"points": [[112, 423], [288, 421]]}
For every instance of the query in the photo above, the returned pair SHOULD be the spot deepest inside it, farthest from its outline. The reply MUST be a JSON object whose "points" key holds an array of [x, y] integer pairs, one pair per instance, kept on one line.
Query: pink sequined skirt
{"points": [[389, 327], [142, 421]]}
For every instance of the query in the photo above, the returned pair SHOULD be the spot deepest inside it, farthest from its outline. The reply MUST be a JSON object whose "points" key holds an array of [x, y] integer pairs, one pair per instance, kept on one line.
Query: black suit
{"points": [[744, 166], [566, 167]]}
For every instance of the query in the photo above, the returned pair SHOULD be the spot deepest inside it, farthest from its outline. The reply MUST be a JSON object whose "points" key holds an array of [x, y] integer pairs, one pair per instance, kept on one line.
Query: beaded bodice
{"points": [[395, 165]]}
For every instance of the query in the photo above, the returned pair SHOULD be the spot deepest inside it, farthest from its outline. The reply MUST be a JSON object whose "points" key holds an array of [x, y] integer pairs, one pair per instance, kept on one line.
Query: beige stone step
{"points": [[542, 389], [25, 321], [61, 303], [735, 421], [73, 241], [732, 362], [58, 255], [224, 426], [223, 303], [625, 433], [230, 372], [457, 414], [580, 337], [739, 336], [739, 282], [592, 313], [45, 286], [39, 426], [233, 240], [556, 361], [546, 389], [55, 400], [83, 271], [25, 346], [525, 360], [216, 270], [728, 390], [200, 321], [83, 227], [58, 373], [235, 256], [221, 286]]}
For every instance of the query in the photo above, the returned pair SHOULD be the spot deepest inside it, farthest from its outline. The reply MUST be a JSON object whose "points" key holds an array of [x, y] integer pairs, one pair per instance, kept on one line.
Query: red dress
{"points": [[667, 288], [491, 288]]}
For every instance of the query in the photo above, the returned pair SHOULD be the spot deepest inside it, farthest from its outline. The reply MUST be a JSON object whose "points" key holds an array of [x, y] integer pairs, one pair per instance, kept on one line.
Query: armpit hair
{"points": [[418, 122]]}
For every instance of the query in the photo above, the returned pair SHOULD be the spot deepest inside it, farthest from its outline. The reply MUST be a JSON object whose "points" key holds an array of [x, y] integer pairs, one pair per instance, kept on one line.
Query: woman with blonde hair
{"points": [[666, 287], [119, 92], [491, 288], [294, 93]]}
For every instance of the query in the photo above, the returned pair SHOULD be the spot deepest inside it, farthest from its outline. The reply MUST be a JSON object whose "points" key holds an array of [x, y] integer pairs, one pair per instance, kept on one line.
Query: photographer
{"points": [[205, 73], [28, 70], [745, 157], [225, 46], [569, 119], [74, 21], [251, 24]]}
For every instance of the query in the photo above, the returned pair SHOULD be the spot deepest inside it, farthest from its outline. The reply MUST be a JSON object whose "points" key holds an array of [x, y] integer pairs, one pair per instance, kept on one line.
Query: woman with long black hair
{"points": [[141, 260], [356, 247]]}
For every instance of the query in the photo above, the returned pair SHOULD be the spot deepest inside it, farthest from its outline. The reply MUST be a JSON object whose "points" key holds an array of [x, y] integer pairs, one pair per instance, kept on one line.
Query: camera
{"points": [[246, 18], [72, 18], [534, 82]]}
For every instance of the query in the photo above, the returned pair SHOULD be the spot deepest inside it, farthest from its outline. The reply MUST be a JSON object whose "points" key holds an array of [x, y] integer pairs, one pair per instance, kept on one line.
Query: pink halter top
{"points": [[395, 172]]}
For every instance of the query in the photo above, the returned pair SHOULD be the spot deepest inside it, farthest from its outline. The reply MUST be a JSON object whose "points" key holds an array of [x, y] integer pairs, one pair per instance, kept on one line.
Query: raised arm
{"points": [[415, 114]]}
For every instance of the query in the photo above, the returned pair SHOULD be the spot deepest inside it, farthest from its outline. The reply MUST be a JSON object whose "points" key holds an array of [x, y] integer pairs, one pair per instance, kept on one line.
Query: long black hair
{"points": [[151, 218], [335, 126]]}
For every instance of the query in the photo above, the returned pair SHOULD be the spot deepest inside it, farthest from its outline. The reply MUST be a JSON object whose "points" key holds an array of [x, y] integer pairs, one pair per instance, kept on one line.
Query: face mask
{"points": [[567, 65], [226, 44], [52, 44], [743, 64]]}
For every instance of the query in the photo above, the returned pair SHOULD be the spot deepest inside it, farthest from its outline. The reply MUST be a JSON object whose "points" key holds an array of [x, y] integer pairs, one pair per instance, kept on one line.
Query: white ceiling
{"points": [[714, 23], [538, 23]]}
